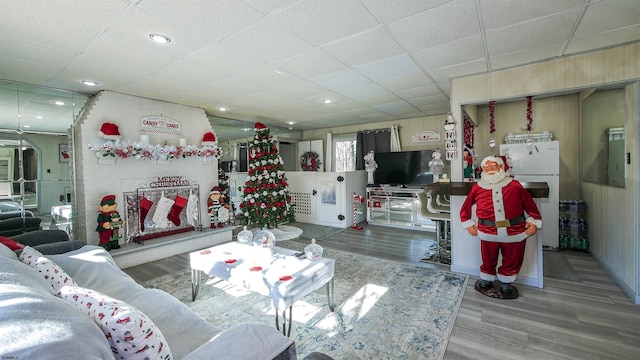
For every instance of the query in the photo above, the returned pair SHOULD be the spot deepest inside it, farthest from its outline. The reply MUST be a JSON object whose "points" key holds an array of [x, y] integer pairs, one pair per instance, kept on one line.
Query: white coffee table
{"points": [[277, 274]]}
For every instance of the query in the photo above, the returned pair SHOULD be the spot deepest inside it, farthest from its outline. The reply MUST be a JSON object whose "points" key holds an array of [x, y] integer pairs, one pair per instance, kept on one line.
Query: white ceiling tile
{"points": [[136, 25], [435, 26], [585, 43], [321, 22], [597, 18], [364, 91], [341, 80], [270, 6], [302, 89], [185, 72], [111, 75], [389, 68], [551, 29], [455, 52], [71, 24], [451, 72], [389, 11], [267, 41], [525, 56], [215, 19], [223, 59], [398, 107], [365, 47], [406, 82], [26, 71], [268, 76], [311, 64], [128, 54], [496, 14]]}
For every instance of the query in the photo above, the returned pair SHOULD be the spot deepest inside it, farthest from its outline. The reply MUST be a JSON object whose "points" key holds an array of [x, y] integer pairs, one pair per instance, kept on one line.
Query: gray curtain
{"points": [[377, 140]]}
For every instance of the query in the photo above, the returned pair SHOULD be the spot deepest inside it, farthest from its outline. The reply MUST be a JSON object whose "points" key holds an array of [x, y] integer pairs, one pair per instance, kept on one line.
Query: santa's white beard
{"points": [[493, 178]]}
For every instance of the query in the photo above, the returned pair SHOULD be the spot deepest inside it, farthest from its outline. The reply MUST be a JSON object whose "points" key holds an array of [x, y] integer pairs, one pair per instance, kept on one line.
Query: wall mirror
{"points": [[35, 176], [603, 137], [35, 167]]}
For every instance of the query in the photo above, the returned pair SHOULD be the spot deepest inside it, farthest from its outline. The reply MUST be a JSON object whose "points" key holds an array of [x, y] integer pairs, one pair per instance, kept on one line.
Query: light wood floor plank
{"points": [[574, 320]]}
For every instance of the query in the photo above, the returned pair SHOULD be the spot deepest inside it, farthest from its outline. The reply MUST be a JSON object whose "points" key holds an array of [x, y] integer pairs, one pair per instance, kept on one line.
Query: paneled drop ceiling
{"points": [[275, 61]]}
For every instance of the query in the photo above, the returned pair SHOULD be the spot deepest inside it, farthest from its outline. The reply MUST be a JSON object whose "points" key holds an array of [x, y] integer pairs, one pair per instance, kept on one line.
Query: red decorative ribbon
{"points": [[492, 119], [529, 113], [468, 131]]}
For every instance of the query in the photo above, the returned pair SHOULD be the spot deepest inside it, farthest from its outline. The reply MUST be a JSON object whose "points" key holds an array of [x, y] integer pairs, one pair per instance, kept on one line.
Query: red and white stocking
{"points": [[145, 206], [174, 214]]}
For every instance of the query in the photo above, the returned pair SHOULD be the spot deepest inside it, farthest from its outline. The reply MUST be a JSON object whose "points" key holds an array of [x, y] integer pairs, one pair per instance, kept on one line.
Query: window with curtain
{"points": [[345, 152], [377, 140]]}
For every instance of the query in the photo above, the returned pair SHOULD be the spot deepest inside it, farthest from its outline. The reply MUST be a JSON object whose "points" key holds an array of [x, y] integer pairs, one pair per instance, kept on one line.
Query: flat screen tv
{"points": [[403, 168]]}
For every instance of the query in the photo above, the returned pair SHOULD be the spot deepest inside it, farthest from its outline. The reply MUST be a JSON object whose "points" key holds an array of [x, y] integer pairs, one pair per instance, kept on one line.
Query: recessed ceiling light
{"points": [[223, 109], [160, 39], [291, 122], [39, 117], [59, 102], [26, 126], [89, 83], [327, 101]]}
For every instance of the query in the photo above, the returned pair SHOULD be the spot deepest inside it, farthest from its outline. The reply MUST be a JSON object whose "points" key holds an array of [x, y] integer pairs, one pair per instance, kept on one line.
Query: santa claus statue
{"points": [[506, 216]]}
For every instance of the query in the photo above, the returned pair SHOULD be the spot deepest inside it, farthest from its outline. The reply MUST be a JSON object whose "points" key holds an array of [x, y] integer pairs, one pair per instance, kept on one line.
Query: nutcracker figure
{"points": [[109, 222]]}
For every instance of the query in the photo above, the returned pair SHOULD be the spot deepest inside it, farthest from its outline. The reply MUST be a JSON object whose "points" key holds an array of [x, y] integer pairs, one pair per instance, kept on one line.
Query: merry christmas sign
{"points": [[163, 124]]}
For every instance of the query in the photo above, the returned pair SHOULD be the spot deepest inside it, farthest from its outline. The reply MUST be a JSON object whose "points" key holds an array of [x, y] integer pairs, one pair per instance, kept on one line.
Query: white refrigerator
{"points": [[539, 162]]}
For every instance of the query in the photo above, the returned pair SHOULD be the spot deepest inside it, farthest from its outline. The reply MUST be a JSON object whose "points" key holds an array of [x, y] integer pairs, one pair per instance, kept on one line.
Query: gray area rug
{"points": [[384, 309]]}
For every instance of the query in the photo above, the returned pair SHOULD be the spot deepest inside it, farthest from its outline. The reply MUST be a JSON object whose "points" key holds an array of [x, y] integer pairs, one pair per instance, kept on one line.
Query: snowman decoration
{"points": [[436, 165], [370, 165]]}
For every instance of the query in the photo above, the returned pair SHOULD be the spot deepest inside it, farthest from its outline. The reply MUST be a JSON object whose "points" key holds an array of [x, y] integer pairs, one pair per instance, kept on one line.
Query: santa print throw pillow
{"points": [[51, 271], [131, 334]]}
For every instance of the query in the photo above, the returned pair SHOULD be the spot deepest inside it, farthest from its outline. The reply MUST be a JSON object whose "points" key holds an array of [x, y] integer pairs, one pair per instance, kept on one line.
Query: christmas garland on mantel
{"points": [[310, 161]]}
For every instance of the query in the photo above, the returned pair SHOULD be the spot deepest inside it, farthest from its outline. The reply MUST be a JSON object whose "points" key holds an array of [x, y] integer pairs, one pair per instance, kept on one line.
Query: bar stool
{"points": [[442, 220]]}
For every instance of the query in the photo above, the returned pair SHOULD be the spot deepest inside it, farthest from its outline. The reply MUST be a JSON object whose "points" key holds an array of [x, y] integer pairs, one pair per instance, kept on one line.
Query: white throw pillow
{"points": [[132, 334], [50, 270]]}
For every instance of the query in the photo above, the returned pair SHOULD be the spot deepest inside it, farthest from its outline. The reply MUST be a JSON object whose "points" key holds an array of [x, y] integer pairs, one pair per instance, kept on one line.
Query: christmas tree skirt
{"points": [[283, 232]]}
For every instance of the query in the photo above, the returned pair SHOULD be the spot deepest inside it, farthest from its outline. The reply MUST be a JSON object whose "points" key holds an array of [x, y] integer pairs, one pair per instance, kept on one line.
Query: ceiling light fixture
{"points": [[89, 83], [160, 39], [39, 117], [59, 102], [291, 122], [327, 101], [223, 109]]}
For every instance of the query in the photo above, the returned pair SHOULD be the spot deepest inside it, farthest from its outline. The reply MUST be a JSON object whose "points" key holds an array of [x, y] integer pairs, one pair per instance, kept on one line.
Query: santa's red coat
{"points": [[502, 201]]}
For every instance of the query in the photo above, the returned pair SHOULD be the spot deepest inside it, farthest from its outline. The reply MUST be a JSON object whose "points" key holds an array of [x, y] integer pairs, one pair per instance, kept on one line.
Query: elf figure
{"points": [[108, 222], [214, 203], [467, 163]]}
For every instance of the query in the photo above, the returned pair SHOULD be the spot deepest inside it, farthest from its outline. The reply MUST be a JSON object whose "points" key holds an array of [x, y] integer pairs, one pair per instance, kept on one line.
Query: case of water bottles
{"points": [[573, 225]]}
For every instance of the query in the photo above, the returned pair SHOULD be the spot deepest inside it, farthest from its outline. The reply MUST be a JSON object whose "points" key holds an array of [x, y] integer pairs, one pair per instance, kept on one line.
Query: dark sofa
{"points": [[17, 225]]}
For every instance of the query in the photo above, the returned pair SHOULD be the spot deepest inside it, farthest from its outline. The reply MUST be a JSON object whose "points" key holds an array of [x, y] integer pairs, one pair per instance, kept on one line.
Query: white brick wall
{"points": [[94, 181]]}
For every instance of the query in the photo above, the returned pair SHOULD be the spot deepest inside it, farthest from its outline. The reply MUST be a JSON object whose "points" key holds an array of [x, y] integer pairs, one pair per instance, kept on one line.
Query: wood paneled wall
{"points": [[612, 212]]}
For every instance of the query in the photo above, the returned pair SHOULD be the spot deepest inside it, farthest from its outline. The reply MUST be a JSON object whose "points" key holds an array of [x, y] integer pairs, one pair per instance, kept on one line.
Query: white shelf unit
{"points": [[396, 207]]}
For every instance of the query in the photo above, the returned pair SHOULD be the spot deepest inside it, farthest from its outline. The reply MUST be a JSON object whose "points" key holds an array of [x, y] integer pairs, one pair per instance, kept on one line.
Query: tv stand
{"points": [[396, 206]]}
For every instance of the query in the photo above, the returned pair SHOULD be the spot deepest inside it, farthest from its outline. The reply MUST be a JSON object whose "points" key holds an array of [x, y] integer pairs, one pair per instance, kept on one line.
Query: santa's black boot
{"points": [[485, 284], [506, 289]]}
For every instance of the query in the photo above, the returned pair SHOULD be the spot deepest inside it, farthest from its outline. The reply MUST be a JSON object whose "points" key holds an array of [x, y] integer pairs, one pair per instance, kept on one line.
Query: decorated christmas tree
{"points": [[266, 201], [223, 184]]}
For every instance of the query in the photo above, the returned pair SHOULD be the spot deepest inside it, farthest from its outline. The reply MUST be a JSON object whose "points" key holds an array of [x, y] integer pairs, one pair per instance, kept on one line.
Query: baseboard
{"points": [[625, 288]]}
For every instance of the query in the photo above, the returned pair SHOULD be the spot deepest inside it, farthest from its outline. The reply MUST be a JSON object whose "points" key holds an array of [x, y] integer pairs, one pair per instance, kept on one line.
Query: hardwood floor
{"points": [[586, 319]]}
